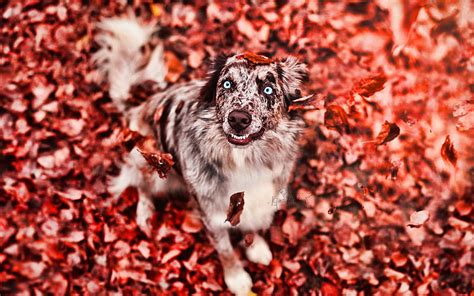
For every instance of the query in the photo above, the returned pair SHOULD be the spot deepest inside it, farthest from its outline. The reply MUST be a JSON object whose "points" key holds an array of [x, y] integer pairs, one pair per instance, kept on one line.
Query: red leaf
{"points": [[335, 118], [370, 85], [142, 91], [129, 139], [304, 103], [255, 58], [191, 223], [389, 132], [236, 206], [329, 289], [161, 162], [448, 153]]}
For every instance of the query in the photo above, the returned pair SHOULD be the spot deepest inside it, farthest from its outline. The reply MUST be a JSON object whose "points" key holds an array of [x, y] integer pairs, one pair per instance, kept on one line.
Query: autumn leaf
{"points": [[161, 162], [310, 102], [129, 138], [255, 58], [175, 67], [370, 85], [142, 91], [389, 132], [448, 153], [417, 219], [236, 206], [335, 118]]}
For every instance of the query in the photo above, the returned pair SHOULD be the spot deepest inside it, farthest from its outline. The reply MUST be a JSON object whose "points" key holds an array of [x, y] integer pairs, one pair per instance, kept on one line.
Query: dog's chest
{"points": [[259, 190]]}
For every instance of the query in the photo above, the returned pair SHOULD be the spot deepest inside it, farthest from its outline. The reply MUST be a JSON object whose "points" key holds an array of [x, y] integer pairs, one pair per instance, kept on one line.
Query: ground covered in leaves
{"points": [[382, 192]]}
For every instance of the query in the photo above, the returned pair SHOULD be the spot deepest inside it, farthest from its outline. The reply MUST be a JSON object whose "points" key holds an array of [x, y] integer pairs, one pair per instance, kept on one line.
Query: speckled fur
{"points": [[193, 129]]}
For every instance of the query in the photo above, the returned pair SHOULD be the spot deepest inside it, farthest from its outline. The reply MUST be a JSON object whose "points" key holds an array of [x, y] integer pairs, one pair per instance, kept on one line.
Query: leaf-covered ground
{"points": [[382, 192]]}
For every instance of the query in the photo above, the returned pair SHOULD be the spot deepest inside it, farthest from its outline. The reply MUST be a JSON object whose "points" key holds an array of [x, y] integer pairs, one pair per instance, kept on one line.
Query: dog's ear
{"points": [[291, 73], [208, 91]]}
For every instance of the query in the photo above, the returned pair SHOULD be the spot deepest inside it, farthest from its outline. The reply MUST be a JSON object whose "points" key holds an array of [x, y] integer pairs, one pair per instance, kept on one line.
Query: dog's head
{"points": [[252, 93]]}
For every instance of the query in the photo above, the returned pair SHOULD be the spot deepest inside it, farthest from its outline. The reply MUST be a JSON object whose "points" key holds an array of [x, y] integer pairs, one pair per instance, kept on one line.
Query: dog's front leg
{"points": [[236, 278]]}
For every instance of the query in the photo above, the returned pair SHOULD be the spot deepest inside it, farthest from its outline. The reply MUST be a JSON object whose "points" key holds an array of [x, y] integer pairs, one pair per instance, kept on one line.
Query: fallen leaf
{"points": [[236, 206], [448, 153], [417, 219], [191, 223], [174, 65], [368, 86], [389, 132]]}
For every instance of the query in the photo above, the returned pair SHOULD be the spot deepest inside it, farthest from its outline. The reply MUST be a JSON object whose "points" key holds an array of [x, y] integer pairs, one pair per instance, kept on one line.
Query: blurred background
{"points": [[373, 210]]}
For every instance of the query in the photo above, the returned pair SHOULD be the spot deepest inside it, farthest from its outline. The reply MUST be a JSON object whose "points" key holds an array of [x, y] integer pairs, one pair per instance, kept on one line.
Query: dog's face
{"points": [[251, 94]]}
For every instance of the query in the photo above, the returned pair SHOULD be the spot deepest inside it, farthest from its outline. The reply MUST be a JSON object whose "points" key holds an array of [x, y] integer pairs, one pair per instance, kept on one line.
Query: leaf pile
{"points": [[405, 66]]}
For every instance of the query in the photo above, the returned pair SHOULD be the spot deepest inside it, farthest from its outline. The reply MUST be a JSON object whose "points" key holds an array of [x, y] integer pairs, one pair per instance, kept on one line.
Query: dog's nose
{"points": [[239, 120]]}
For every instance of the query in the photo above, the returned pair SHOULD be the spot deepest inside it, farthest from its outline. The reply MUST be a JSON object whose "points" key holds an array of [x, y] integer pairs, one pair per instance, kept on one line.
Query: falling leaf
{"points": [[255, 58], [448, 153], [368, 86], [305, 103], [129, 138], [161, 162], [335, 118], [236, 206], [389, 132], [417, 219]]}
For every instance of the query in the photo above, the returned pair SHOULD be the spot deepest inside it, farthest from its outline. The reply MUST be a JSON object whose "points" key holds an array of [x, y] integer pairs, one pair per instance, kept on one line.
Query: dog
{"points": [[229, 133]]}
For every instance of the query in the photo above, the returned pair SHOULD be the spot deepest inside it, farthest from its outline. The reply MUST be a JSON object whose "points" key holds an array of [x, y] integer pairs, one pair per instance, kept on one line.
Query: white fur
{"points": [[258, 251], [238, 281], [145, 210], [120, 58]]}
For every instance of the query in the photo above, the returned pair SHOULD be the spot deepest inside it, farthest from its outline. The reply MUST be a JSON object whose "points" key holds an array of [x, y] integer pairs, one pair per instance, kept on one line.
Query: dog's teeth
{"points": [[238, 137]]}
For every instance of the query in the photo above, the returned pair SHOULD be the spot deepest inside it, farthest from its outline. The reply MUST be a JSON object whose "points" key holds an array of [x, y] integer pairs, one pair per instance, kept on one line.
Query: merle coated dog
{"points": [[228, 133]]}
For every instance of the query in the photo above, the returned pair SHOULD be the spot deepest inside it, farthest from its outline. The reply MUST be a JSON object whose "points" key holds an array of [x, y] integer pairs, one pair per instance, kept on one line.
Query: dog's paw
{"points": [[259, 252], [238, 281], [145, 211]]}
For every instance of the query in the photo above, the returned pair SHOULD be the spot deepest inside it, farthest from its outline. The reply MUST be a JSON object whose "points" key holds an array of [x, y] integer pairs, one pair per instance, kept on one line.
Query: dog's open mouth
{"points": [[242, 140]]}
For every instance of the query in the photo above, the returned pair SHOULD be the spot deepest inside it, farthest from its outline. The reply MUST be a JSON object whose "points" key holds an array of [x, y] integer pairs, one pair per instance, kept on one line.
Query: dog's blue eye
{"points": [[227, 84], [268, 90]]}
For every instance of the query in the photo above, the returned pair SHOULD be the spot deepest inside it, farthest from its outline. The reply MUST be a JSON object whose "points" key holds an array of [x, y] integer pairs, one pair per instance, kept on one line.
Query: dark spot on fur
{"points": [[270, 102], [280, 71], [179, 107], [212, 172], [271, 78], [163, 123], [208, 91]]}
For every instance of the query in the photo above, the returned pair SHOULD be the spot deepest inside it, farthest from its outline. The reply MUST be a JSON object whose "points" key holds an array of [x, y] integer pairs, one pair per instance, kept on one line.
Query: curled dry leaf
{"points": [[129, 138], [370, 85], [255, 58], [335, 118], [389, 132], [161, 162], [417, 219], [448, 153], [304, 103], [236, 206]]}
